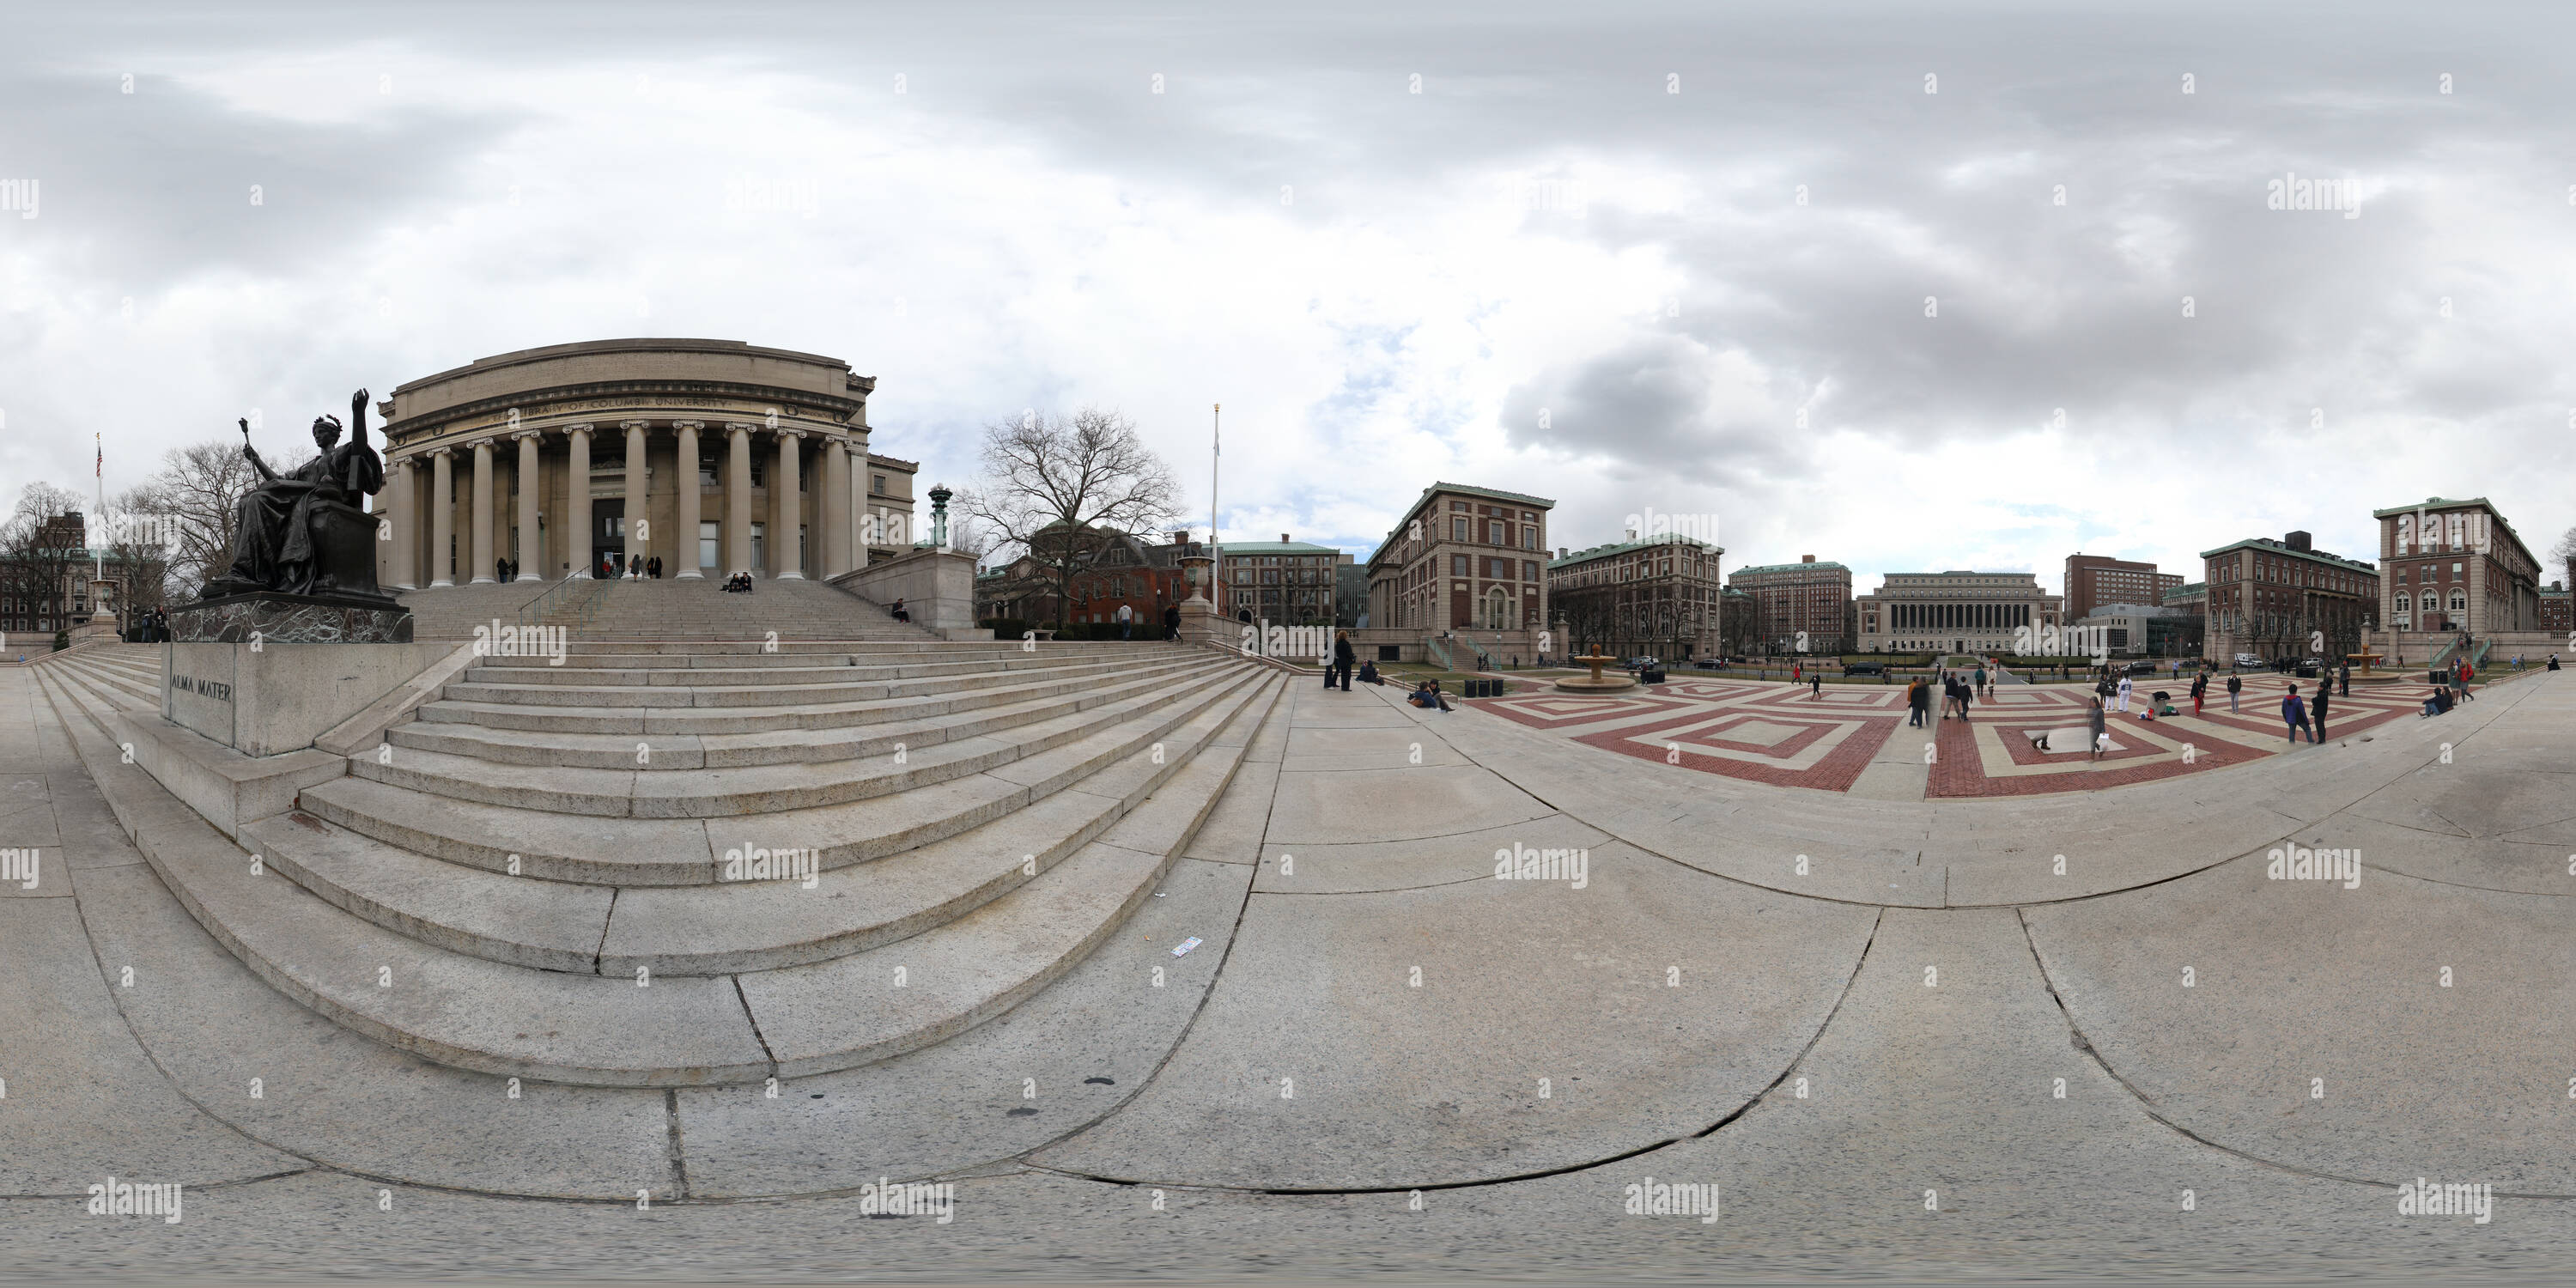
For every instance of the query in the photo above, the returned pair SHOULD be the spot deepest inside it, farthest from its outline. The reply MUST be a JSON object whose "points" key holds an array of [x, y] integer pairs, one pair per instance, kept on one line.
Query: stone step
{"points": [[830, 715], [756, 692], [734, 926], [756, 789], [631, 851], [595, 672], [120, 691], [538, 736]]}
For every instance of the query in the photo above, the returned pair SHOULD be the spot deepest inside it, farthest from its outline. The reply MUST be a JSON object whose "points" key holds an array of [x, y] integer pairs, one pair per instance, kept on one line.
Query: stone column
{"points": [[737, 517], [399, 506], [483, 512], [685, 541], [532, 545], [576, 516], [639, 531], [442, 518], [836, 507], [786, 509]]}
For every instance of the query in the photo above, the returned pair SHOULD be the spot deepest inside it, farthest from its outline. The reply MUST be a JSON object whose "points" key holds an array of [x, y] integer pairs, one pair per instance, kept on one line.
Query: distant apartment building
{"points": [[2095, 580], [1957, 612], [2556, 616], [1120, 570], [1350, 592], [1804, 598], [2455, 566], [1657, 595], [1462, 558], [2274, 598], [1284, 583]]}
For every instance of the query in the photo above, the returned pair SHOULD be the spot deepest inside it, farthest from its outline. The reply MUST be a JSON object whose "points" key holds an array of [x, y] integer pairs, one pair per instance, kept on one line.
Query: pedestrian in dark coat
{"points": [[1343, 659]]}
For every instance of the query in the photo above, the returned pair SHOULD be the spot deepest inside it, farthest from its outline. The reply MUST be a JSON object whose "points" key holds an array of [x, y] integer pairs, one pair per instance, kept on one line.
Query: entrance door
{"points": [[608, 531]]}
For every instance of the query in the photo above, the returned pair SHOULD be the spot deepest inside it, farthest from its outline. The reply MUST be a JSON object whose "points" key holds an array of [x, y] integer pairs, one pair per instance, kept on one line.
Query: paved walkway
{"points": [[2025, 740], [2028, 1035]]}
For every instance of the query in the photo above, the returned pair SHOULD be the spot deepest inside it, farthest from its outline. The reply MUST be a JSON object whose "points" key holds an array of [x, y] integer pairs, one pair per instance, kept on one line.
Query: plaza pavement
{"points": [[1854, 1015]]}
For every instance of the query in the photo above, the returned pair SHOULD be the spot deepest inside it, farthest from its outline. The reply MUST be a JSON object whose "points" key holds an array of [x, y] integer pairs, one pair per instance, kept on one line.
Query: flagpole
{"points": [[1216, 454], [99, 462]]}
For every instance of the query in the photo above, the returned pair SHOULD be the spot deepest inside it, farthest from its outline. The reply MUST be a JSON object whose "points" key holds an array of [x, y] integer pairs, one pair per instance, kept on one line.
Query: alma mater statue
{"points": [[303, 532]]}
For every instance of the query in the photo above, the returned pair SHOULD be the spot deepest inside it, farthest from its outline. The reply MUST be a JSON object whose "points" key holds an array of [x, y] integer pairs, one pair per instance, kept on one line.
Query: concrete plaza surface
{"points": [[2080, 1034]]}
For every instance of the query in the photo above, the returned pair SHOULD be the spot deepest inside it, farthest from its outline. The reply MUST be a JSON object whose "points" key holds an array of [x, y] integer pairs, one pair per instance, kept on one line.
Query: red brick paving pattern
{"points": [[1958, 772]]}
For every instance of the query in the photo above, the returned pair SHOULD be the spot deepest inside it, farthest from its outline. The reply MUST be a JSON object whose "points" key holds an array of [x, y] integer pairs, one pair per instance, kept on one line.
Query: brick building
{"points": [[2555, 614], [1804, 597], [1139, 573], [2270, 598], [1283, 582], [1658, 596], [2095, 580], [1462, 558], [2455, 566]]}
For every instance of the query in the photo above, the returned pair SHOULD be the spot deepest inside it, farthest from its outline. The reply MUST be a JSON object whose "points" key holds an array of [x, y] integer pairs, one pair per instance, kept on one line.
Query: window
{"points": [[1458, 529], [1457, 565], [876, 485], [1494, 534], [2459, 601]]}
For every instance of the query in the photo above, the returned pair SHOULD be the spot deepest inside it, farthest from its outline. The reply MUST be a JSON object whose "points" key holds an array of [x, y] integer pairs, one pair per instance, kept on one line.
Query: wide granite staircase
{"points": [[557, 871], [670, 609]]}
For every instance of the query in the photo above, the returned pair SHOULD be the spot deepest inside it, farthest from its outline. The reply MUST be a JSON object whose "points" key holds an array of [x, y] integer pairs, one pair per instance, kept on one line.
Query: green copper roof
{"points": [[1623, 547], [1787, 568]]}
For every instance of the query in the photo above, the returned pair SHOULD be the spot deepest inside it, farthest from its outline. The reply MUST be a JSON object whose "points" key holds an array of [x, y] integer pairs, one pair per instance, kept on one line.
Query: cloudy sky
{"points": [[1912, 286]]}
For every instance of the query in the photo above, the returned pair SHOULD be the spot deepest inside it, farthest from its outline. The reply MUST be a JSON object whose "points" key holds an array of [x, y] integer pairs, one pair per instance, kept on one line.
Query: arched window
{"points": [[2459, 601], [2404, 605]]}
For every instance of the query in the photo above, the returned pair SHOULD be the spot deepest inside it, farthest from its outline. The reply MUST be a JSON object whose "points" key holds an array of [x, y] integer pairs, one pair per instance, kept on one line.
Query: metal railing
{"points": [[578, 596]]}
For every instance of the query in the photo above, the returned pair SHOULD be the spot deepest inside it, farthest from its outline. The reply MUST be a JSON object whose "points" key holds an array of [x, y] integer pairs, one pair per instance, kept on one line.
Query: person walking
{"points": [[1343, 659], [2199, 690], [2125, 683], [2295, 713], [2098, 724], [1171, 623], [1967, 694], [2235, 684], [1918, 699], [2463, 686], [1126, 622], [1816, 687], [1981, 678], [2324, 689], [2343, 680]]}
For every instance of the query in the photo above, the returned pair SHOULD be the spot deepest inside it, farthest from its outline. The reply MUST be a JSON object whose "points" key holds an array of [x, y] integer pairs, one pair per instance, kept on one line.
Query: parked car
{"points": [[2144, 667], [1642, 663], [1865, 668], [2248, 659], [1708, 664]]}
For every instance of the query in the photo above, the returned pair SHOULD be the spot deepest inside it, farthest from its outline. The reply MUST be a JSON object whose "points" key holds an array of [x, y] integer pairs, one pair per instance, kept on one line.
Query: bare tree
{"points": [[2565, 553], [37, 556], [1056, 489], [195, 495]]}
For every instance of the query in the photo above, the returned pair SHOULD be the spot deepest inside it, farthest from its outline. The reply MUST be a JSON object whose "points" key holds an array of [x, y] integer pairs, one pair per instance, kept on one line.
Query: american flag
{"points": [[101, 463]]}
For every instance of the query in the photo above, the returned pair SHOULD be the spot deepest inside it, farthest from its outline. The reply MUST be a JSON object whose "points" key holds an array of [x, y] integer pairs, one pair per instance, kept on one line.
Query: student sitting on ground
{"points": [[1369, 675], [1428, 695]]}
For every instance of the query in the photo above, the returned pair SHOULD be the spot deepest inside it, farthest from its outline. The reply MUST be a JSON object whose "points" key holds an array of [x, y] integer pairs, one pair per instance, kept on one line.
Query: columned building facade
{"points": [[713, 456], [1956, 612]]}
